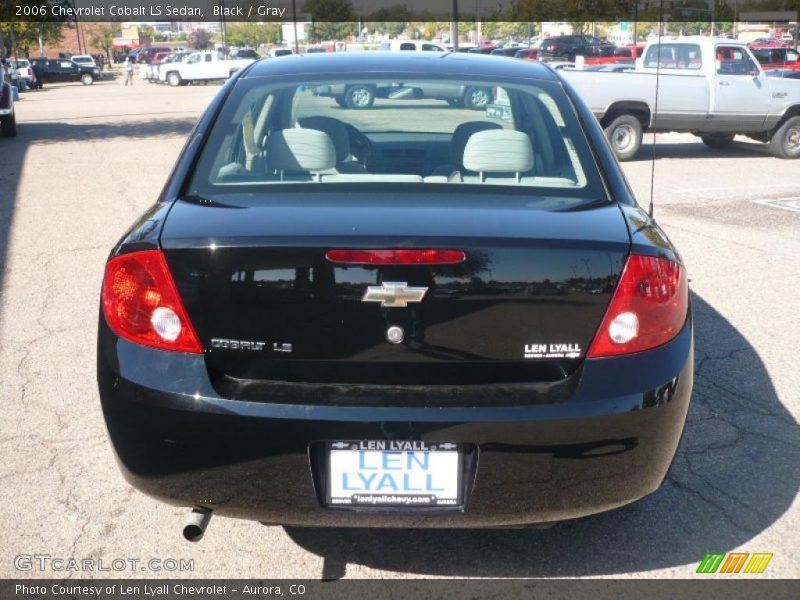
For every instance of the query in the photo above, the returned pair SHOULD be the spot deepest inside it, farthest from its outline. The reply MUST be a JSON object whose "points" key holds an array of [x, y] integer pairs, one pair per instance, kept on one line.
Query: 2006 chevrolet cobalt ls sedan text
{"points": [[414, 314]]}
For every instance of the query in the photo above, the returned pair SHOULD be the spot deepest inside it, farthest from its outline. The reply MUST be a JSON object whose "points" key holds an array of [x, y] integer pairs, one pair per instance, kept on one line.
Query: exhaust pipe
{"points": [[198, 521]]}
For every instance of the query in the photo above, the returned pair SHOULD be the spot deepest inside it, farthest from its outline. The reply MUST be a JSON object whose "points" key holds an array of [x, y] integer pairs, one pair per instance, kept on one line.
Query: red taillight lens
{"points": [[648, 308], [397, 256], [141, 303]]}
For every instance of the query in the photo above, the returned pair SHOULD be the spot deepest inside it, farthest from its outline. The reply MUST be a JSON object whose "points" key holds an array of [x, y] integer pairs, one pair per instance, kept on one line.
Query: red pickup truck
{"points": [[621, 54], [771, 57]]}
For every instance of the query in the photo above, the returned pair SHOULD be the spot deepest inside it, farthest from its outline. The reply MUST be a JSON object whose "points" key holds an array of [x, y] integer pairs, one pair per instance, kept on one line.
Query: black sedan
{"points": [[407, 316]]}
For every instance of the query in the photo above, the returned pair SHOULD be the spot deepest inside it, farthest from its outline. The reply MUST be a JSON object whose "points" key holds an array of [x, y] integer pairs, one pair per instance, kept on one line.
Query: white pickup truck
{"points": [[205, 65], [713, 88]]}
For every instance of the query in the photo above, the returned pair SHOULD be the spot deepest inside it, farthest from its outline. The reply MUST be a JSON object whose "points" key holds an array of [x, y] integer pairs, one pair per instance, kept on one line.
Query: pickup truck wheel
{"points": [[8, 126], [717, 141], [87, 79], [174, 78], [625, 135], [359, 97], [785, 143], [476, 98]]}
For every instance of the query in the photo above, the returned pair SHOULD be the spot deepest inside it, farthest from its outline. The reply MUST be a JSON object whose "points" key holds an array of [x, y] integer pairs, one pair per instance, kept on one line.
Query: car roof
{"points": [[465, 64]]}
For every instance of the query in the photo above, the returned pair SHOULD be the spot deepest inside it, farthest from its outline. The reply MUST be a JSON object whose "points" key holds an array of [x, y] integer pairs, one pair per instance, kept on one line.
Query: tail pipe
{"points": [[196, 526]]}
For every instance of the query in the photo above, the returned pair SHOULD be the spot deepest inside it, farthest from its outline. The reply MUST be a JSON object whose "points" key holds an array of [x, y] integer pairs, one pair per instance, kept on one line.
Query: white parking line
{"points": [[792, 203]]}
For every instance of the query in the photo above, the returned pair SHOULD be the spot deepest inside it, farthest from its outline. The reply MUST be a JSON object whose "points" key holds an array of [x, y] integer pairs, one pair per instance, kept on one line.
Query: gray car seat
{"points": [[300, 154], [501, 153], [340, 137], [458, 142]]}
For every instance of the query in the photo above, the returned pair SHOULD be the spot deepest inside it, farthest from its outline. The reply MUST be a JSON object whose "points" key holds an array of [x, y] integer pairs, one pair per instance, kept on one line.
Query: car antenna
{"points": [[655, 107]]}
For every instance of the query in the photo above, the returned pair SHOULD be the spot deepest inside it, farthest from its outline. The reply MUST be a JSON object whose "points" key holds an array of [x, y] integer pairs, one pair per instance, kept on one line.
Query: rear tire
{"points": [[624, 133], [359, 97], [785, 142], [87, 79], [174, 78], [8, 126], [718, 140], [476, 98]]}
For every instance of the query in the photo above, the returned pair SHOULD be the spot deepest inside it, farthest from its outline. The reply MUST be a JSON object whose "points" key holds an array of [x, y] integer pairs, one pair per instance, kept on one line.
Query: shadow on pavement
{"points": [[735, 474], [14, 150], [699, 150]]}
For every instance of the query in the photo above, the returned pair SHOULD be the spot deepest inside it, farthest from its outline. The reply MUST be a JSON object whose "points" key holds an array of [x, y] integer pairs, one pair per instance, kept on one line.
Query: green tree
{"points": [[200, 39], [391, 21], [101, 35], [331, 19], [25, 36], [252, 34]]}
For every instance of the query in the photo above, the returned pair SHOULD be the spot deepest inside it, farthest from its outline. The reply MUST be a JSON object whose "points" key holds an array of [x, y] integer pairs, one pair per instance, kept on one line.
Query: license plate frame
{"points": [[451, 457]]}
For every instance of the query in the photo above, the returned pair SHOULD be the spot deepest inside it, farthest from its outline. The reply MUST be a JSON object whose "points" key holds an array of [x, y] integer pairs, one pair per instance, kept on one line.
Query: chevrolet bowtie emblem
{"points": [[394, 294]]}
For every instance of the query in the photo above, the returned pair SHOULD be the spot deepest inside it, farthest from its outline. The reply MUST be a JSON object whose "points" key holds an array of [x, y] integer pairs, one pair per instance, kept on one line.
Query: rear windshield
{"points": [[516, 138]]}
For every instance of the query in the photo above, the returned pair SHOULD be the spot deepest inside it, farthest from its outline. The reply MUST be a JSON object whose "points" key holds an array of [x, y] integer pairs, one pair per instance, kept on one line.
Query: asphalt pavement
{"points": [[88, 161]]}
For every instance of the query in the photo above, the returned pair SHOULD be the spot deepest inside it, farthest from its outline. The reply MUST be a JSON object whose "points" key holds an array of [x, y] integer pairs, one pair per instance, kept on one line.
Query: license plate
{"points": [[394, 473]]}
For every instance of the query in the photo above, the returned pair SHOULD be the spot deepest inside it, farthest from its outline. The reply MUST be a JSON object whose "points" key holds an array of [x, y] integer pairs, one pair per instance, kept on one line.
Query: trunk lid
{"points": [[268, 306]]}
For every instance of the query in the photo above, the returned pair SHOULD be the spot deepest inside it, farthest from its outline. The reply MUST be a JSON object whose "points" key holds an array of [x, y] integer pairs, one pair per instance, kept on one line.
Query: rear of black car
{"points": [[369, 341]]}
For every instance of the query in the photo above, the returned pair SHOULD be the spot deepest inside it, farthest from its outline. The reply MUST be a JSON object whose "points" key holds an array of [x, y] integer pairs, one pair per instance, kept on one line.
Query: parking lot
{"points": [[89, 159]]}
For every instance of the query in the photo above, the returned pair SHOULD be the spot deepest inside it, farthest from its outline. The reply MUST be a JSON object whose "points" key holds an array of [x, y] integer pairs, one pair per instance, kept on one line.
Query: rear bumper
{"points": [[609, 444]]}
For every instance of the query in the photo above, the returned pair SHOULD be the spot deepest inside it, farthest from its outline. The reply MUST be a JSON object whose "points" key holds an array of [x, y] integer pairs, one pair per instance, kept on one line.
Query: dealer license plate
{"points": [[394, 473]]}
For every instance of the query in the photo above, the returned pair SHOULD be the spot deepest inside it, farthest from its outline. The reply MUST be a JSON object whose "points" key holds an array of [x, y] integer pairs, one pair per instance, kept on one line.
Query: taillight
{"points": [[396, 256], [141, 303], [648, 308]]}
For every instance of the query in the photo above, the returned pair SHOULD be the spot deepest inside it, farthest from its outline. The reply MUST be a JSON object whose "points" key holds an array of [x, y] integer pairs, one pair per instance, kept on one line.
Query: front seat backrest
{"points": [[461, 136], [340, 137], [501, 151], [300, 150]]}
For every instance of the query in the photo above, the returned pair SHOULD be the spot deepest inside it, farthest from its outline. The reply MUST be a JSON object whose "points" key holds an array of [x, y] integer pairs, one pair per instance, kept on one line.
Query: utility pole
{"points": [[454, 26], [294, 24]]}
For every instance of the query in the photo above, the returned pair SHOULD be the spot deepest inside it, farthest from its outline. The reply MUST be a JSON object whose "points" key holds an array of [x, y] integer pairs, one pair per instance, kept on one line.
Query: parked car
{"points": [[777, 58], [767, 42], [362, 95], [246, 53], [482, 50], [151, 70], [510, 51], [24, 75], [205, 65], [712, 87], [567, 47], [527, 53], [315, 50], [276, 52], [61, 69], [272, 340], [145, 55], [628, 54], [411, 46], [8, 119]]}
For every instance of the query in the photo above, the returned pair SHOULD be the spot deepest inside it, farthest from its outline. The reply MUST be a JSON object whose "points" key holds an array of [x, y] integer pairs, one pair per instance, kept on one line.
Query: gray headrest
{"points": [[498, 151], [300, 150], [335, 129], [462, 134]]}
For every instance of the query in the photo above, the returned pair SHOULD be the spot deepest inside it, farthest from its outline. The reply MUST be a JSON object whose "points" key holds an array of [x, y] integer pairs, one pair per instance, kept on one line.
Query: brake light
{"points": [[396, 256], [141, 303], [648, 308]]}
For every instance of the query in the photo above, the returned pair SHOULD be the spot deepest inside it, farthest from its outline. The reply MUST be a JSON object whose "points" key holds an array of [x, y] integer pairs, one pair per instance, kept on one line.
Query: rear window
{"points": [[674, 56], [514, 137]]}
